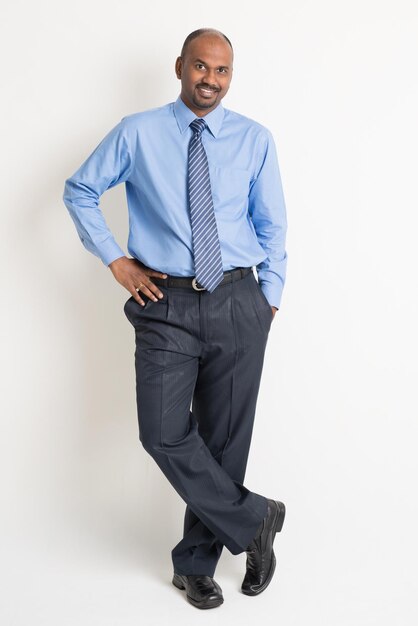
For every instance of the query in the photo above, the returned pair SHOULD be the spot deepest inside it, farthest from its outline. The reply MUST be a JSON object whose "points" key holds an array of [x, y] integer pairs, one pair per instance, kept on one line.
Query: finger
{"points": [[150, 289], [144, 290], [138, 288], [136, 296], [156, 273]]}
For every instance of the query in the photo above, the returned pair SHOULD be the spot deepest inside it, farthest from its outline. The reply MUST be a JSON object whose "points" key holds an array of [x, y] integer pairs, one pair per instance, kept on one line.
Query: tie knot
{"points": [[198, 125]]}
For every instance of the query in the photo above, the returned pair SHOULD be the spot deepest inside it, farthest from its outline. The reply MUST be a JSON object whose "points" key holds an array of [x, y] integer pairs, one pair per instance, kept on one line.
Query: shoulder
{"points": [[256, 129], [260, 137], [134, 121]]}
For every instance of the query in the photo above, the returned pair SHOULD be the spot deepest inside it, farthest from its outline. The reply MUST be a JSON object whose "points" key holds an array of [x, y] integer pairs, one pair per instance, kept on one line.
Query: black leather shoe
{"points": [[261, 561], [201, 591]]}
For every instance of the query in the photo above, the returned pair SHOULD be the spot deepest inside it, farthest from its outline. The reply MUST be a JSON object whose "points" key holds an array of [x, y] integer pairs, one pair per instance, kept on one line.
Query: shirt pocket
{"points": [[230, 189]]}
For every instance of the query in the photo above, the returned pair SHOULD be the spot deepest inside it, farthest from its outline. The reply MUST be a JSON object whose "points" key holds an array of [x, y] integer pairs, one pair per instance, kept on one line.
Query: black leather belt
{"points": [[190, 281]]}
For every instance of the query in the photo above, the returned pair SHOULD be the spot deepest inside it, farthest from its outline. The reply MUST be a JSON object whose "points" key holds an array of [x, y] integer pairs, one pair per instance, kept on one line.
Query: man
{"points": [[205, 205]]}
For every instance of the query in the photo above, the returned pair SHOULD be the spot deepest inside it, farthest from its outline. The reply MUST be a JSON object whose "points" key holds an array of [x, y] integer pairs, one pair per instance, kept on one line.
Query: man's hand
{"points": [[131, 273], [274, 309]]}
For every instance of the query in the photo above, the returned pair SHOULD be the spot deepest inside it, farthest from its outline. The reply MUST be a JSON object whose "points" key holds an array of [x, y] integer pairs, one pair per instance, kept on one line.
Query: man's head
{"points": [[205, 69]]}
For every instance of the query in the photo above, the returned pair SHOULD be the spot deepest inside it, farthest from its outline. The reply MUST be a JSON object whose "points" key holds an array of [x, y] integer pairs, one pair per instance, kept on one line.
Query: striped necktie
{"points": [[206, 247]]}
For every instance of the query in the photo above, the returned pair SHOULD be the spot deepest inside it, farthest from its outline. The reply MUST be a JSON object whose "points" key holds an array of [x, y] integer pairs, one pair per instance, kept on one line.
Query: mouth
{"points": [[206, 93]]}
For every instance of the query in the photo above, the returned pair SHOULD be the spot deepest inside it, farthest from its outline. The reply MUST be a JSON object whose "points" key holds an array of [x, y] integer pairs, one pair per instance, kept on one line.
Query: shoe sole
{"points": [[278, 525], [280, 517], [204, 604]]}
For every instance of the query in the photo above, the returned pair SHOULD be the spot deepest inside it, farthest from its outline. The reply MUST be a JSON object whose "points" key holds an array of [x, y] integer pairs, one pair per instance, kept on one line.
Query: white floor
{"points": [[124, 584], [116, 570]]}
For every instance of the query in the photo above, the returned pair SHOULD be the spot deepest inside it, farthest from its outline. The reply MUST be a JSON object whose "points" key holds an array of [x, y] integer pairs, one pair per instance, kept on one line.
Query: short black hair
{"points": [[197, 33]]}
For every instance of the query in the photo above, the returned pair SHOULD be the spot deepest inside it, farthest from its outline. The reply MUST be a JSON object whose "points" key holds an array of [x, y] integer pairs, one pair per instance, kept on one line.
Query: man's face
{"points": [[205, 73]]}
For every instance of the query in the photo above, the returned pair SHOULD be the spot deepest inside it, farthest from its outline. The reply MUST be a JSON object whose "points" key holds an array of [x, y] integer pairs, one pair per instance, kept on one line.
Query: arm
{"points": [[268, 212], [108, 165]]}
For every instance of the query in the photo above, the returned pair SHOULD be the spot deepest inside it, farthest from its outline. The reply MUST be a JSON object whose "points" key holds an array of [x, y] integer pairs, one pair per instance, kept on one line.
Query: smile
{"points": [[206, 92]]}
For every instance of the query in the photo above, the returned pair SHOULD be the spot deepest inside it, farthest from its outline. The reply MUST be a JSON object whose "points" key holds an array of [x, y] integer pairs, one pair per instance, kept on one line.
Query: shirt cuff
{"points": [[109, 251], [272, 295]]}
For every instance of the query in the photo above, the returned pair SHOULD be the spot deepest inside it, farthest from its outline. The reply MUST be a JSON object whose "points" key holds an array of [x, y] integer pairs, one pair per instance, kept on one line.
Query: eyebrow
{"points": [[204, 63]]}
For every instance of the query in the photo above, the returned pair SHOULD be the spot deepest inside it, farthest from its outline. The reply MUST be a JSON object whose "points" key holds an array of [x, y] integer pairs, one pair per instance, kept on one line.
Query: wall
{"points": [[88, 520]]}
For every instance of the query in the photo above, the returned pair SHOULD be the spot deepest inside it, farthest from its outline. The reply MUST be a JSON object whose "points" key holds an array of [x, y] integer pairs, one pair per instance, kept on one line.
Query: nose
{"points": [[211, 79]]}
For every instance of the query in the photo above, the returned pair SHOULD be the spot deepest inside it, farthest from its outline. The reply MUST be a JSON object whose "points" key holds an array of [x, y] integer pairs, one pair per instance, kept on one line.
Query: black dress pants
{"points": [[198, 362]]}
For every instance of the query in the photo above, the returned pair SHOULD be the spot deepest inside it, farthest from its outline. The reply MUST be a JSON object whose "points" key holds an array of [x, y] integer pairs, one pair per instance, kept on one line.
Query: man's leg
{"points": [[236, 330], [169, 347]]}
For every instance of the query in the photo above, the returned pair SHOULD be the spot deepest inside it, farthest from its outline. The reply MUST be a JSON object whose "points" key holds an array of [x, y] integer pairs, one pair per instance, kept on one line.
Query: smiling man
{"points": [[200, 95], [205, 206]]}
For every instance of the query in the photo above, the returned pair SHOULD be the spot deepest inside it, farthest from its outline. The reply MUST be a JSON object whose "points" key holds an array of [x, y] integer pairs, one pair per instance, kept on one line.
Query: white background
{"points": [[88, 520]]}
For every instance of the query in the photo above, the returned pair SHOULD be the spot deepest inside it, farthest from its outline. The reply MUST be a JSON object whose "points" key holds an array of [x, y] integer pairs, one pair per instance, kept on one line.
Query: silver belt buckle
{"points": [[194, 285]]}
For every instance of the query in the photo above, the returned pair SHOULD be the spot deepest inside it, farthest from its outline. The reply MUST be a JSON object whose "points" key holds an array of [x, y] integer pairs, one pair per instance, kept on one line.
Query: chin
{"points": [[206, 103]]}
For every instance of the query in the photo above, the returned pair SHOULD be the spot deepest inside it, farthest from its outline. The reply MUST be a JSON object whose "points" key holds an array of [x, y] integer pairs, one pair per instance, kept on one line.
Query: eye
{"points": [[199, 64], [224, 70]]}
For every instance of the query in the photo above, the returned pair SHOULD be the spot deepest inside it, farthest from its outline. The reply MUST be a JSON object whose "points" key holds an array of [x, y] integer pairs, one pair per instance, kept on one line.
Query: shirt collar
{"points": [[185, 116]]}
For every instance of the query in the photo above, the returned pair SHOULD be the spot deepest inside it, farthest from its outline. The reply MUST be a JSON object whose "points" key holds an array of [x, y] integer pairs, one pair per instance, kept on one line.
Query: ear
{"points": [[178, 67]]}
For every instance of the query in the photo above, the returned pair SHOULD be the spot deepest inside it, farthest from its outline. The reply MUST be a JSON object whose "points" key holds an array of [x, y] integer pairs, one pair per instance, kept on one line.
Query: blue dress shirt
{"points": [[148, 152]]}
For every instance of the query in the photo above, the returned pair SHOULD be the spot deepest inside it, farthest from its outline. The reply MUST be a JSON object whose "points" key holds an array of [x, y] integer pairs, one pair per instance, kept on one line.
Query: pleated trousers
{"points": [[198, 362]]}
